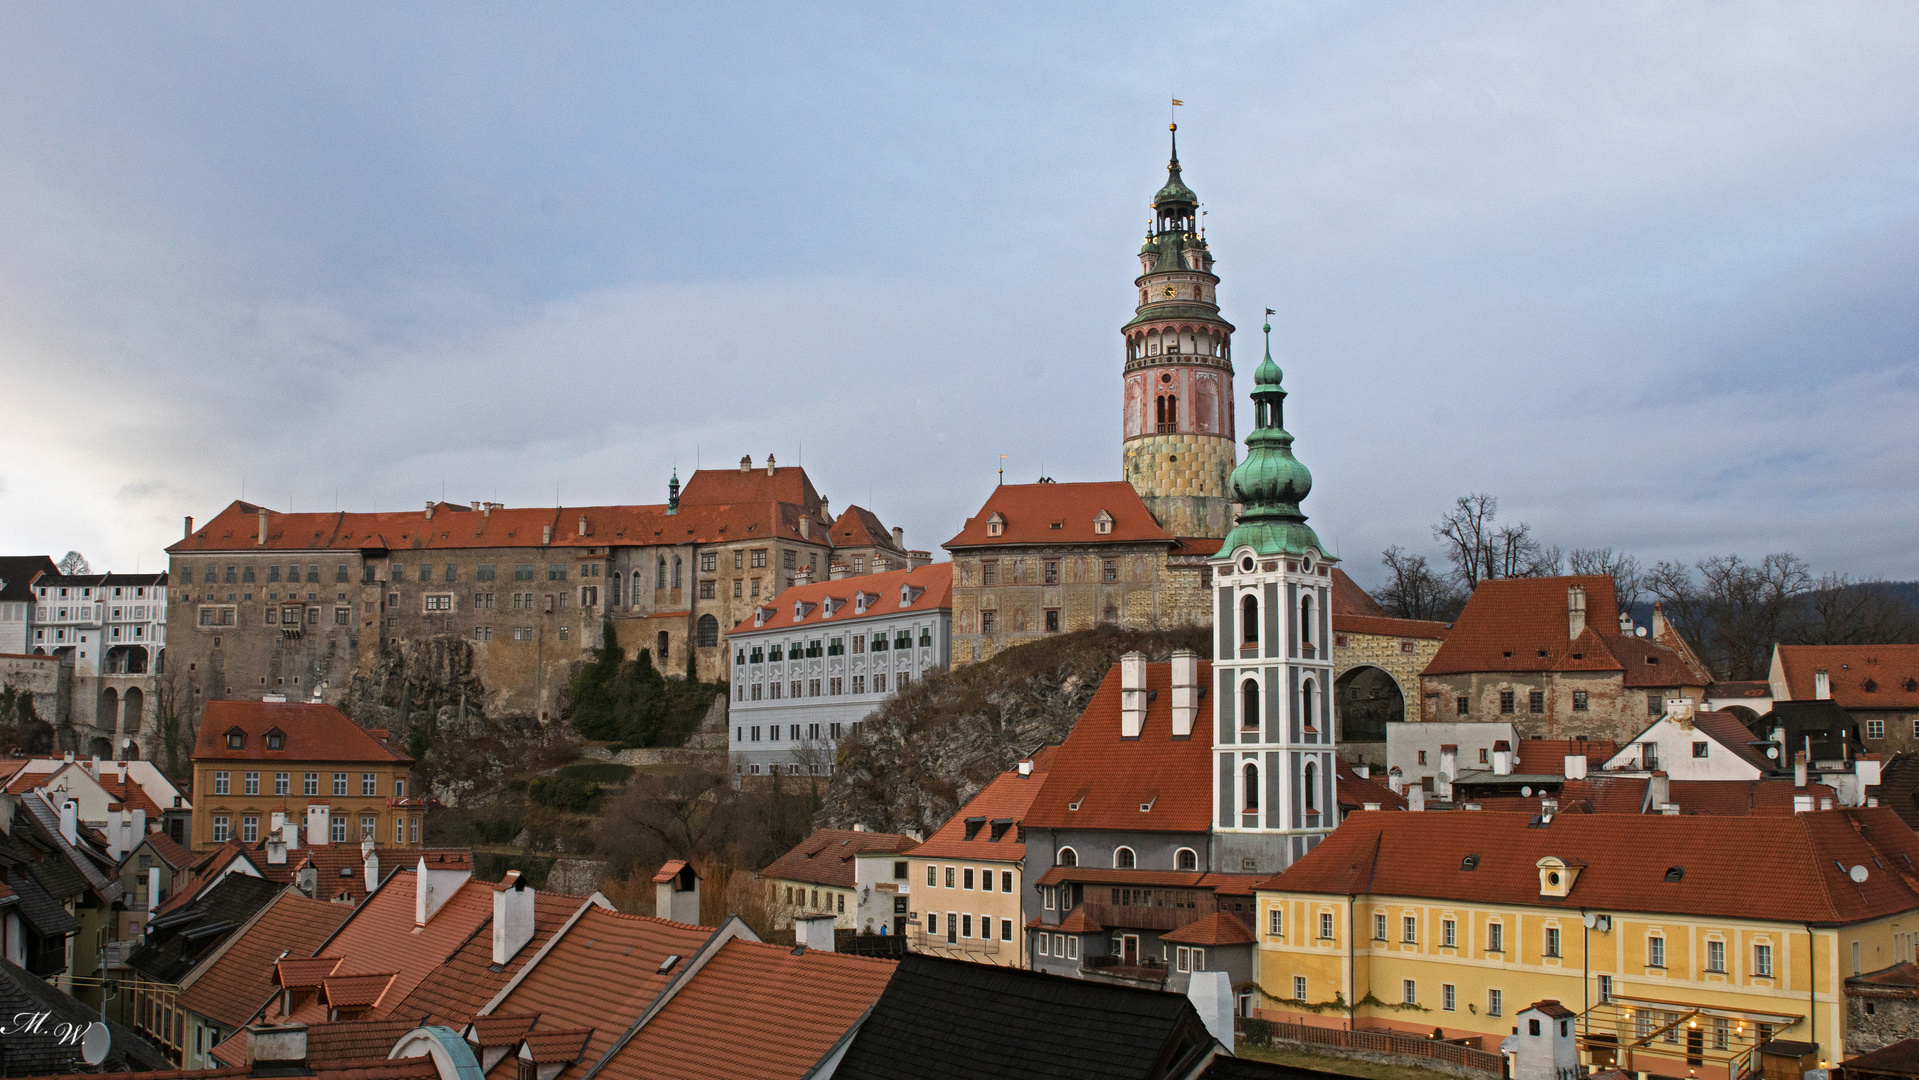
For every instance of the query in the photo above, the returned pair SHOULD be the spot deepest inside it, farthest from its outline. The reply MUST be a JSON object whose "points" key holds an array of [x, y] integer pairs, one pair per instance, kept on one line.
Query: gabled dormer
{"points": [[831, 604], [995, 524], [909, 593], [863, 600], [276, 739], [761, 615], [1102, 523], [1556, 876], [236, 738], [802, 608]]}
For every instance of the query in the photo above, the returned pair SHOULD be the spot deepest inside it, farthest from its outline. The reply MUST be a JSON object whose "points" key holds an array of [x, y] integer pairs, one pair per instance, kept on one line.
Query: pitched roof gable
{"points": [[1111, 778], [1004, 800], [1062, 514], [314, 732], [1860, 676], [826, 857]]}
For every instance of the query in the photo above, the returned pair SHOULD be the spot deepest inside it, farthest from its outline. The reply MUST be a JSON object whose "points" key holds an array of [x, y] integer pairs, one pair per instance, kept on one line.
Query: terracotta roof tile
{"points": [[562, 1045], [1111, 778], [339, 990], [1219, 928], [332, 1042], [1626, 859], [457, 989], [169, 852], [1891, 670], [234, 988], [1350, 599], [1748, 688], [934, 585], [1075, 921], [1062, 514], [304, 971], [669, 870], [698, 1029], [998, 808], [826, 857], [381, 1068], [381, 937], [1729, 731], [859, 527], [313, 733], [1397, 628], [1521, 624], [1355, 791], [500, 1028]]}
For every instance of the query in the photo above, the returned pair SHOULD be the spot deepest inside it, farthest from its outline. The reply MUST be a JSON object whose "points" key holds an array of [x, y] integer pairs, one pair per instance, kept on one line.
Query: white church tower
{"points": [[1273, 780]]}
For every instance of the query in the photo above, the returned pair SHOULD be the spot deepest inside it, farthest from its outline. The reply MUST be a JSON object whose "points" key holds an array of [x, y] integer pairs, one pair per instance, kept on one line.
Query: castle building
{"points": [[1273, 731]]}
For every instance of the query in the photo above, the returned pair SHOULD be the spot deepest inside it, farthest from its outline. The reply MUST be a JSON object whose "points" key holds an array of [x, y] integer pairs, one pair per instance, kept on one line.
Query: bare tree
{"points": [[73, 564], [1733, 610], [1622, 568], [1414, 591], [1467, 532], [1841, 611]]}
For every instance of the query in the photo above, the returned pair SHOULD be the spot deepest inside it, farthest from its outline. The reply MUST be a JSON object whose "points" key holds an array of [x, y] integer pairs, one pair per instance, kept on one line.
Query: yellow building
{"points": [[1682, 942], [309, 763], [965, 883], [820, 875]]}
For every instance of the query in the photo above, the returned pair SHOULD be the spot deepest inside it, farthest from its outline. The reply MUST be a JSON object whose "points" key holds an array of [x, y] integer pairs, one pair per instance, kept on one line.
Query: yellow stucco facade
{"points": [[974, 906]]}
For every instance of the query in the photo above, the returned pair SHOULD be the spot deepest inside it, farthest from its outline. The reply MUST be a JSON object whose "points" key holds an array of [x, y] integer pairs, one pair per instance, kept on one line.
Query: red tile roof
{"points": [[299, 971], [1729, 731], [313, 733], [234, 988], [1031, 512], [1223, 884], [1548, 756], [1600, 793], [1219, 928], [338, 990], [860, 527], [564, 1044], [669, 870], [457, 989], [168, 852], [1075, 922], [721, 487], [1521, 624], [333, 1041], [1355, 791], [1110, 777], [1624, 861], [1005, 799], [826, 857], [1749, 688], [818, 996], [381, 937], [1350, 599], [413, 1068], [1395, 628], [933, 583], [1891, 670]]}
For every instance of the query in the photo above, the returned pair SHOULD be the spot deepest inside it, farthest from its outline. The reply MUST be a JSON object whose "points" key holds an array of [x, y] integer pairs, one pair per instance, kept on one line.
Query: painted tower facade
{"points": [[1179, 450], [1273, 729]]}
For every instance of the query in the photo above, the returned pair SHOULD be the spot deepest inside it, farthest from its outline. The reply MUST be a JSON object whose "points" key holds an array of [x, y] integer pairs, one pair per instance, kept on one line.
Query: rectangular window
{"points": [[1409, 929], [759, 558], [1495, 937], [1552, 941], [439, 602], [426, 571], [1605, 988], [369, 784], [339, 783], [219, 828], [1875, 729], [310, 784], [989, 572], [341, 616], [367, 823], [966, 878], [1495, 1003], [1052, 620], [1045, 942], [1379, 926], [1579, 700], [222, 783], [1109, 570], [1275, 922], [709, 561], [986, 621], [1506, 705], [1006, 881], [1536, 701], [1050, 572], [1299, 988], [281, 785], [252, 783], [1409, 991], [1653, 707], [484, 572], [250, 828], [1463, 705], [1448, 997], [950, 873], [1449, 933], [1716, 956], [1762, 961], [338, 830], [1005, 929], [1656, 952], [1326, 925], [1700, 749]]}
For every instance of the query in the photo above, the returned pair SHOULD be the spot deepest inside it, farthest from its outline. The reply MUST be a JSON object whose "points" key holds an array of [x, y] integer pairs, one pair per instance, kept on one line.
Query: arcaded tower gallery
{"points": [[1179, 451]]}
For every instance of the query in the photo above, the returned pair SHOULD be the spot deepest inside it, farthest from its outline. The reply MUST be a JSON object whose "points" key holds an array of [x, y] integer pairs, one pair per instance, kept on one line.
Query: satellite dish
{"points": [[1526, 791], [1858, 874], [1772, 751], [1590, 920], [1642, 632], [95, 1043]]}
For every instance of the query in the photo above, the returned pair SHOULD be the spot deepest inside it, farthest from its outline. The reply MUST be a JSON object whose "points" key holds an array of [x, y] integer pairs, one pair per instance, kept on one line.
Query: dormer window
{"points": [[908, 594], [236, 739], [276, 739], [801, 609], [862, 600], [1102, 523], [1556, 876], [995, 524]]}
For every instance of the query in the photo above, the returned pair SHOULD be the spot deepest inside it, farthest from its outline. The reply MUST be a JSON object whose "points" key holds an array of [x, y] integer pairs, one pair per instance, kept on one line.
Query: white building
{"points": [[1690, 744], [819, 659], [16, 599], [1431, 755], [113, 628]]}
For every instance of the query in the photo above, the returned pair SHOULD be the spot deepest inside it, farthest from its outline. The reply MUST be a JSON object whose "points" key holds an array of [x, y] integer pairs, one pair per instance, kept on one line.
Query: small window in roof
{"points": [[276, 739], [236, 739], [1674, 873]]}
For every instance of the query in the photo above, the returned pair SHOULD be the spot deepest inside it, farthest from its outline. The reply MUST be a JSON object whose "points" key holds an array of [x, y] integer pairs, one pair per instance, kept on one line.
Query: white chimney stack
{"points": [[1415, 797], [1502, 758], [1396, 780], [139, 828], [1132, 695], [1448, 770], [116, 835], [1185, 692], [1575, 766], [433, 888], [814, 931], [1659, 790], [1799, 769], [372, 870], [1576, 610], [512, 917], [153, 888], [1821, 686], [70, 821], [676, 893], [317, 825]]}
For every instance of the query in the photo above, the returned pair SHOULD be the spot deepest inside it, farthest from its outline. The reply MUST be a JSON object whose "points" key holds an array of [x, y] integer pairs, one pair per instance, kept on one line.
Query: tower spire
{"points": [[1271, 483]]}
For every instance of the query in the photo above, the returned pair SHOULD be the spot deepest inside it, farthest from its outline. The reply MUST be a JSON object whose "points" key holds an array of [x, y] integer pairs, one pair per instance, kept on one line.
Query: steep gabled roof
{"points": [[1005, 800], [859, 527], [1110, 778], [240, 981], [18, 571], [381, 937], [1861, 676], [826, 857], [931, 590], [313, 732], [1062, 514], [21, 992], [457, 989], [1627, 862], [1350, 599]]}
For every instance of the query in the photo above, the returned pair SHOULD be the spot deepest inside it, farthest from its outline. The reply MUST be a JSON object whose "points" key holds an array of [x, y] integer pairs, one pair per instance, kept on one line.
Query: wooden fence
{"points": [[1383, 1042]]}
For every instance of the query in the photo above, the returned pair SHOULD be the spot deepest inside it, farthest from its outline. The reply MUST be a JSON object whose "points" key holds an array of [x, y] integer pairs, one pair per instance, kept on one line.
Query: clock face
{"points": [[1171, 291]]}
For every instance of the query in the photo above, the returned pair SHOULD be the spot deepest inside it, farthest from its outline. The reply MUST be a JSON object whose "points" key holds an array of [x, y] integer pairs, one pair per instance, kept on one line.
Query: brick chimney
{"points": [[899, 538], [429, 509], [263, 524], [676, 893], [512, 916], [189, 525], [1132, 694], [770, 467], [1576, 610], [1185, 692]]}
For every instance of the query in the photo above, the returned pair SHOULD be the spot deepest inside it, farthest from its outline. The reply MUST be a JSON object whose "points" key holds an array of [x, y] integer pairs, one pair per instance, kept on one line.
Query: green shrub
{"points": [[597, 772], [562, 793]]}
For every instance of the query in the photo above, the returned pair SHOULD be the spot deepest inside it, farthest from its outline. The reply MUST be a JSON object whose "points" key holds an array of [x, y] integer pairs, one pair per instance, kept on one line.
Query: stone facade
{"points": [[1376, 666], [1882, 1007], [1147, 589], [1610, 709]]}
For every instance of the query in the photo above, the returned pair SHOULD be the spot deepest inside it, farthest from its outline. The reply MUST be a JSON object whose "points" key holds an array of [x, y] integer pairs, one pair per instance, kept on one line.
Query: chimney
{"points": [[1670, 809], [486, 509], [1363, 771], [1576, 610], [814, 932], [1575, 766], [1415, 798], [1825, 802], [1369, 806], [1185, 692], [676, 895], [582, 524], [1866, 768], [1658, 620], [806, 527], [804, 575], [1547, 808], [317, 825], [373, 871], [277, 1050], [1799, 769], [1658, 789], [153, 888], [189, 525], [1502, 758], [263, 524], [1026, 768], [139, 828], [1396, 780], [1132, 695], [70, 821], [429, 509], [826, 515], [1448, 770], [512, 917], [899, 538], [770, 467], [1821, 685], [115, 833], [546, 533], [1625, 624], [276, 845], [746, 463], [859, 826], [1211, 993], [837, 570], [307, 881], [475, 504]]}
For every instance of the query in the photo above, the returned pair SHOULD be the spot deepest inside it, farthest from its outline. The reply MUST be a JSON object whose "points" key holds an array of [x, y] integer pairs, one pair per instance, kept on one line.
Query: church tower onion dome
{"points": [[1271, 483]]}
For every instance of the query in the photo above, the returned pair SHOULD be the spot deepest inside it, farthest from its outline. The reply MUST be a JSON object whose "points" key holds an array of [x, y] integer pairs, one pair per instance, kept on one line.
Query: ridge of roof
{"points": [[1052, 513], [1111, 778]]}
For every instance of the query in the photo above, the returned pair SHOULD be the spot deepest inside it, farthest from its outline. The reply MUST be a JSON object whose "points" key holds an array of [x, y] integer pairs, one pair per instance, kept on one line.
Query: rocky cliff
{"points": [[933, 746]]}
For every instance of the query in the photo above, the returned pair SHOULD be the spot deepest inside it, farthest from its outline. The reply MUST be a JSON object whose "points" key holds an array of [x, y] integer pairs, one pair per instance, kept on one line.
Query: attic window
{"points": [[276, 740], [1869, 686], [667, 964], [1102, 523], [1509, 654], [1469, 863], [973, 826], [995, 525], [1675, 873], [1001, 826], [1579, 656], [1652, 659], [1542, 652], [1057, 525], [1912, 685], [236, 740]]}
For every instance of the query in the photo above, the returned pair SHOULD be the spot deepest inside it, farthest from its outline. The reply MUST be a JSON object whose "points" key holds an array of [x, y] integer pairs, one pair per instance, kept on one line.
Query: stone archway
{"points": [[108, 711], [133, 707], [101, 747], [1367, 698]]}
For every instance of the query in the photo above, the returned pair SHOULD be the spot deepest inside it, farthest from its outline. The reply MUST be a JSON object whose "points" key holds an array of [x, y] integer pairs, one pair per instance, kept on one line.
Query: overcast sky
{"points": [[1645, 271]]}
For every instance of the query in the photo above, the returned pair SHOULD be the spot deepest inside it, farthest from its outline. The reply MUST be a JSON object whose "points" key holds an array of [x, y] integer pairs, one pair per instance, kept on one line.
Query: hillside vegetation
{"points": [[934, 745]]}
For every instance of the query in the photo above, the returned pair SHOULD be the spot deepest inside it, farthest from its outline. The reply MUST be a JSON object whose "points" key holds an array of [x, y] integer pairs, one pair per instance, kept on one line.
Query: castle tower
{"points": [[1273, 780], [1179, 373]]}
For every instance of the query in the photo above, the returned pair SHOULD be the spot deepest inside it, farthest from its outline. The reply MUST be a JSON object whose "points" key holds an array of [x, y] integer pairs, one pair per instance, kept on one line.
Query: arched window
{"points": [[1249, 619], [1306, 713], [1249, 704], [707, 632], [1312, 788], [1185, 859], [676, 571], [661, 640], [1066, 857], [1249, 787], [659, 577], [1123, 859], [1306, 621]]}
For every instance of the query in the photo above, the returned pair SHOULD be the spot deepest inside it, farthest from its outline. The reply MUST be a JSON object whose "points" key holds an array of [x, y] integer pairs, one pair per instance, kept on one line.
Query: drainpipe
{"points": [[1812, 983], [1352, 966], [1586, 972]]}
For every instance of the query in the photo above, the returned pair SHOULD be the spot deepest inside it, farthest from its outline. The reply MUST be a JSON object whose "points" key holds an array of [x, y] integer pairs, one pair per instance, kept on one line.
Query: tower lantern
{"points": [[1178, 424]]}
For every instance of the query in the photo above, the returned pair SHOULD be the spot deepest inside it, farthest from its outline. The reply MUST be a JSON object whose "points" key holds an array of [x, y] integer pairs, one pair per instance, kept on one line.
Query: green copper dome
{"points": [[1271, 483]]}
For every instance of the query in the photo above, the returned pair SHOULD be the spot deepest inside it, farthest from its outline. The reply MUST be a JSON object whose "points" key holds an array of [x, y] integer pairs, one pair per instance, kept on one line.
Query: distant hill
{"points": [[934, 745]]}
